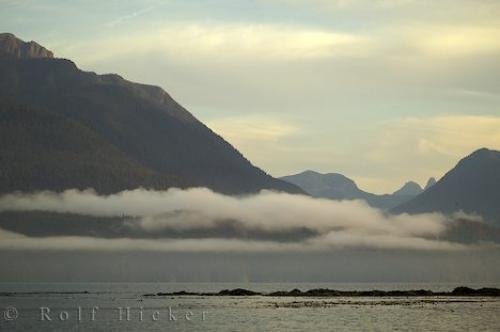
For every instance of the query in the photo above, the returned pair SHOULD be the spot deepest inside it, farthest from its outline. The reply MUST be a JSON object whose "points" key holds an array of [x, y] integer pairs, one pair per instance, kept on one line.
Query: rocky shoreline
{"points": [[325, 292]]}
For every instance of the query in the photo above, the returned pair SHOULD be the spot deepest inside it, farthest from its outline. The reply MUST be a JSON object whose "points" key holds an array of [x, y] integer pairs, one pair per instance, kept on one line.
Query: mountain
{"points": [[41, 150], [338, 187], [472, 186], [430, 183], [10, 46], [410, 188], [332, 185], [63, 128]]}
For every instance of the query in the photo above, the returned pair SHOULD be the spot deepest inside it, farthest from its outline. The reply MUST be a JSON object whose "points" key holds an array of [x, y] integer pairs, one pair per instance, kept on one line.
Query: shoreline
{"points": [[315, 292], [325, 292]]}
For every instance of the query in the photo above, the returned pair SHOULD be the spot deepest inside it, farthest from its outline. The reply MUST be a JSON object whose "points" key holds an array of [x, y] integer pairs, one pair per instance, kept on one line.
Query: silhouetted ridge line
{"points": [[472, 186], [325, 292], [339, 187], [138, 132]]}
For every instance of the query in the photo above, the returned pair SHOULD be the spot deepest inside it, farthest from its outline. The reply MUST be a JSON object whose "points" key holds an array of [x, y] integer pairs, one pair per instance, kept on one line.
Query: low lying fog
{"points": [[334, 224]]}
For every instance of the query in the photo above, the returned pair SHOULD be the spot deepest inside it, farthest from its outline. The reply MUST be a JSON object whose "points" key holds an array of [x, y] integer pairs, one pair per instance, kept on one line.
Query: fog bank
{"points": [[335, 224]]}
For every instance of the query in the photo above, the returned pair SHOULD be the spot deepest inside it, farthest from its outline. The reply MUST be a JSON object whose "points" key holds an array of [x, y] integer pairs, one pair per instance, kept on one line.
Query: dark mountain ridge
{"points": [[10, 46], [472, 186], [339, 187], [44, 150], [141, 123], [410, 188], [430, 183]]}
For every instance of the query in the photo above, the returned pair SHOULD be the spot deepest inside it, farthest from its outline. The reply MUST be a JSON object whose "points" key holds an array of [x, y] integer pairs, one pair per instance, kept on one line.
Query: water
{"points": [[61, 302]]}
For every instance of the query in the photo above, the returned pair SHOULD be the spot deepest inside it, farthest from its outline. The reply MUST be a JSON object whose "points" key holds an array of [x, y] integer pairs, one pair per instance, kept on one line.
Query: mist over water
{"points": [[268, 236], [327, 224]]}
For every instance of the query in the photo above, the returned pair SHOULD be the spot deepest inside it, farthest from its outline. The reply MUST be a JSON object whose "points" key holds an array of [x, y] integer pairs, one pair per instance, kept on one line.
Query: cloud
{"points": [[124, 18], [328, 77], [475, 94], [187, 41], [432, 30], [451, 135], [332, 241], [260, 137], [252, 128], [429, 146], [14, 241], [216, 42], [337, 224], [238, 42], [406, 8], [458, 40], [348, 4]]}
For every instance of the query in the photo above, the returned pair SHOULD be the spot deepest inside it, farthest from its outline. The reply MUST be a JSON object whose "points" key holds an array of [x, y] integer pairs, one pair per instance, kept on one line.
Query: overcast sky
{"points": [[382, 91]]}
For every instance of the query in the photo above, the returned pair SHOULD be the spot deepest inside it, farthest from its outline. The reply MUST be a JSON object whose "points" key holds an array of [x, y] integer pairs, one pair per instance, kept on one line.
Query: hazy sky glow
{"points": [[382, 91]]}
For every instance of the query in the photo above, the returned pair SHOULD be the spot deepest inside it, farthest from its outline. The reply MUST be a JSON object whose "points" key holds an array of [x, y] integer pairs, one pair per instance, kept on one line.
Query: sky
{"points": [[382, 91]]}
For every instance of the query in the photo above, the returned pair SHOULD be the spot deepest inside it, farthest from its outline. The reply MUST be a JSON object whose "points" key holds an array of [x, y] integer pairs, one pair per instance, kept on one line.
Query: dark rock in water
{"points": [[278, 293], [322, 292], [376, 293], [423, 292], [180, 293], [462, 291], [183, 293], [488, 291], [237, 292], [293, 292], [325, 292], [466, 291]]}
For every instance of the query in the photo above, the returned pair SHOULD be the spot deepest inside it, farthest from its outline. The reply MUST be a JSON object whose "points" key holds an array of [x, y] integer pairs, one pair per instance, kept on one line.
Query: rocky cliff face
{"points": [[11, 46]]}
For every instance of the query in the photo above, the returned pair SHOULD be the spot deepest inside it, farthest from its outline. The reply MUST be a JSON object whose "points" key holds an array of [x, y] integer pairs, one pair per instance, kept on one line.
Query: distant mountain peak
{"points": [[472, 186], [309, 172], [432, 181], [483, 153], [12, 46], [331, 185], [410, 188], [339, 187]]}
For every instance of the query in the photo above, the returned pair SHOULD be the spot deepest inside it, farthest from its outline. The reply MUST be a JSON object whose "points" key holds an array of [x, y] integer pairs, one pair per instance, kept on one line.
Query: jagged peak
{"points": [[12, 46], [432, 181], [409, 188]]}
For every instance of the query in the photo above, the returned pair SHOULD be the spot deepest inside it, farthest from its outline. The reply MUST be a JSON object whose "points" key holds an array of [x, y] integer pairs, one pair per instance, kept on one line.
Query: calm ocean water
{"points": [[122, 307]]}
